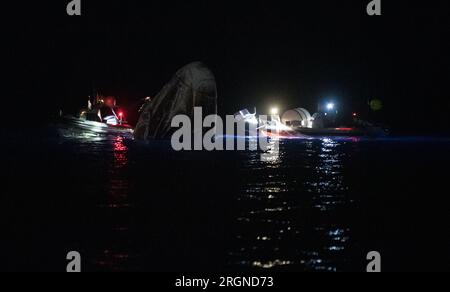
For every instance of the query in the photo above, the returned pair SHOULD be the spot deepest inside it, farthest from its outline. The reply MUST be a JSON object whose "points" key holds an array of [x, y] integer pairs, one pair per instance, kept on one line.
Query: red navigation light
{"points": [[344, 129], [355, 115], [120, 114]]}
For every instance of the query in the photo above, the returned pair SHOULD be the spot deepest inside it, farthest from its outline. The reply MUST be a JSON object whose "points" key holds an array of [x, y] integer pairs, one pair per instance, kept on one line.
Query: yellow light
{"points": [[274, 111]]}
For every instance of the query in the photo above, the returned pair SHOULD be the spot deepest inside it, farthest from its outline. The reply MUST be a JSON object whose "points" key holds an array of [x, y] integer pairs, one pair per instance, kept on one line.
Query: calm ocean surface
{"points": [[129, 206]]}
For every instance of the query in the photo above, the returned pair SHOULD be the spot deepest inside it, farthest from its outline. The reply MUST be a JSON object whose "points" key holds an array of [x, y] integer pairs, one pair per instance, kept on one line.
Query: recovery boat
{"points": [[102, 116]]}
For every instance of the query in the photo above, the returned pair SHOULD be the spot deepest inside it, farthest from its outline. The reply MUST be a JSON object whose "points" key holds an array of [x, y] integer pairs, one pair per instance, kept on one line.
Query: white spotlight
{"points": [[274, 111]]}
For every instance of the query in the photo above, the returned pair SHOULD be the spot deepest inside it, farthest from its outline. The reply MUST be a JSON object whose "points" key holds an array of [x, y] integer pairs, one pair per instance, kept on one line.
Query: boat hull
{"points": [[71, 124], [329, 132]]}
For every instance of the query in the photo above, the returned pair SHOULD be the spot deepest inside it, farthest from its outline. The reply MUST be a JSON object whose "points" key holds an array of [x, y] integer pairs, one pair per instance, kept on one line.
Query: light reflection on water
{"points": [[285, 220], [287, 207], [287, 217], [114, 254], [321, 206], [292, 213]]}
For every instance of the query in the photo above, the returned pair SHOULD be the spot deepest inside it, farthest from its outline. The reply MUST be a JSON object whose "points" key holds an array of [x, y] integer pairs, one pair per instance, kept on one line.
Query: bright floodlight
{"points": [[274, 111], [330, 106]]}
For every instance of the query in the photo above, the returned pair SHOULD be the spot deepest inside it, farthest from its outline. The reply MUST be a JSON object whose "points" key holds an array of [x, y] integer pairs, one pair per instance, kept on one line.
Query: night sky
{"points": [[263, 53]]}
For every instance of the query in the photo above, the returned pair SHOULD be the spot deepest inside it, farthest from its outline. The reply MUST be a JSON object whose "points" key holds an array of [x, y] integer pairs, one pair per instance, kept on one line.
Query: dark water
{"points": [[127, 206]]}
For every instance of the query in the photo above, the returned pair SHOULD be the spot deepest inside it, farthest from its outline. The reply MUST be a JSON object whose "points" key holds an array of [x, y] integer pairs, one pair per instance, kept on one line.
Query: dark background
{"points": [[263, 53]]}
